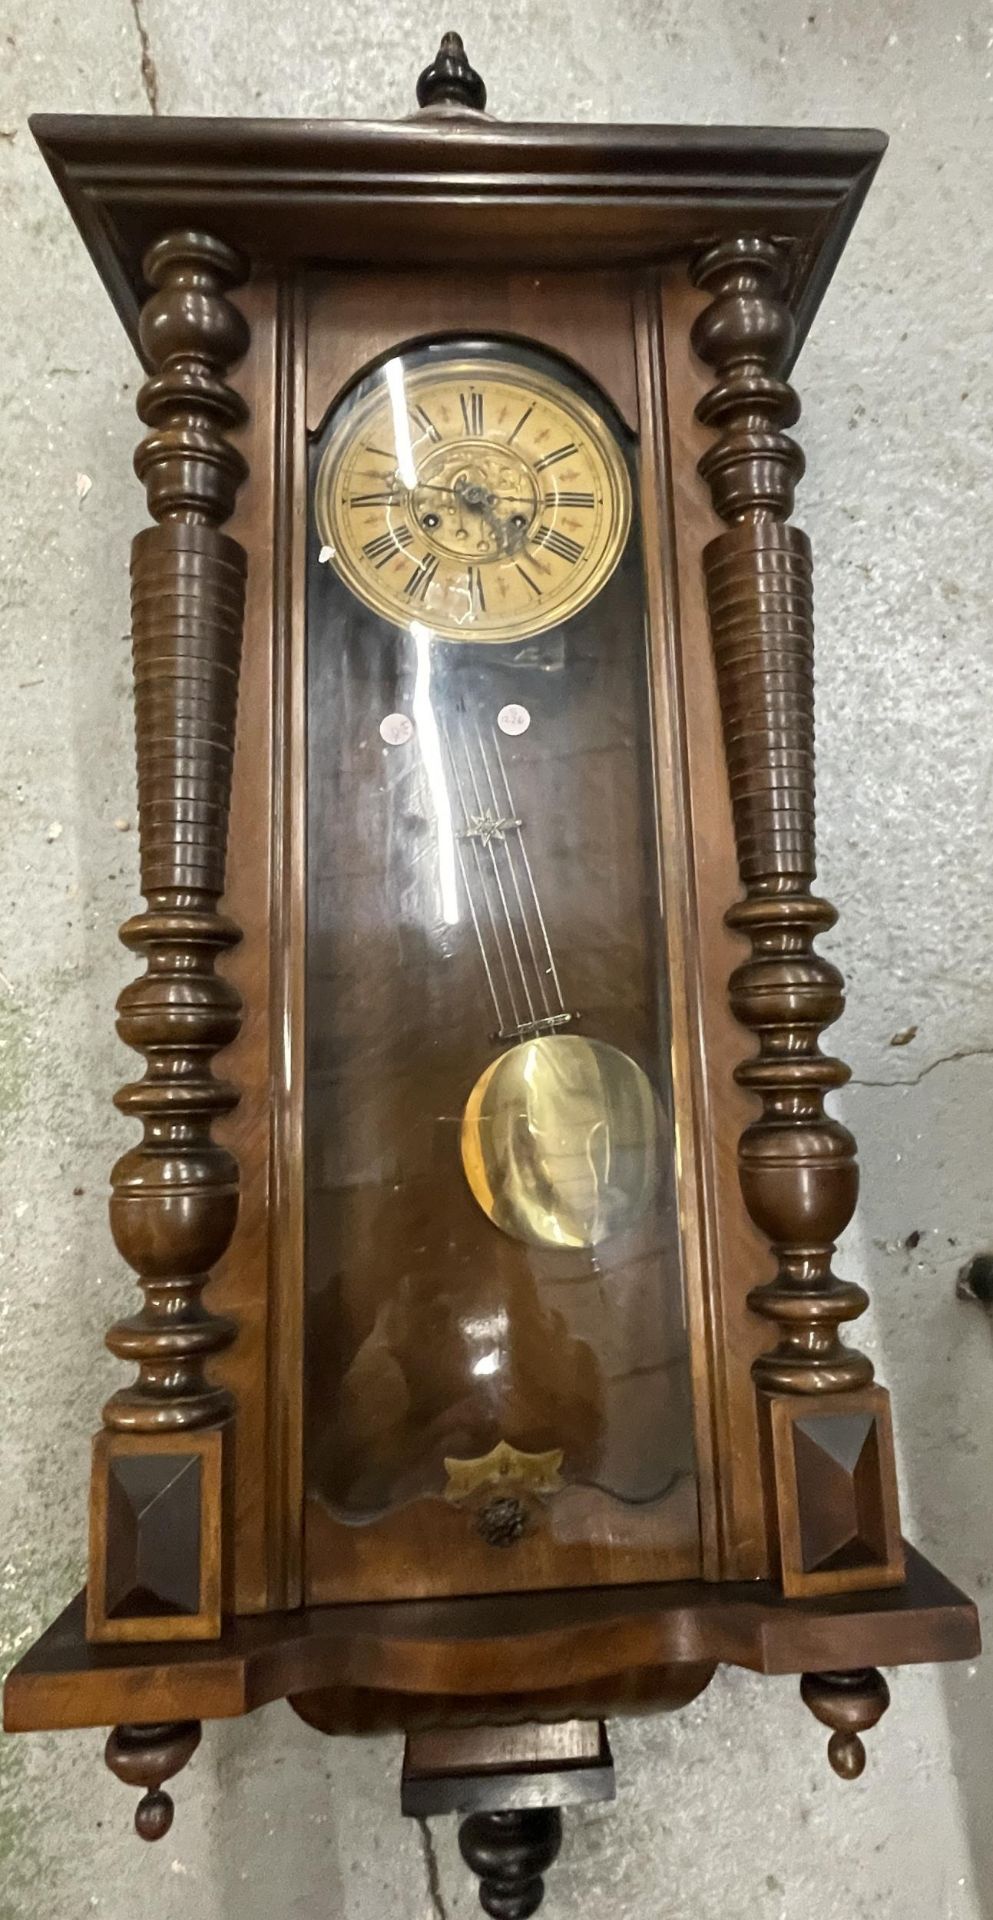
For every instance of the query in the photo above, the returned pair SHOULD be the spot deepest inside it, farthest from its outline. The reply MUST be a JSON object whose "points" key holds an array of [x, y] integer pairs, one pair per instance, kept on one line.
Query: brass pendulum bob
{"points": [[560, 1141], [560, 1134]]}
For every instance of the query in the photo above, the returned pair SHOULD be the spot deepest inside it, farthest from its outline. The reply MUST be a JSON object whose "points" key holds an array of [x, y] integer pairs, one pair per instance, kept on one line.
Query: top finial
{"points": [[450, 81]]}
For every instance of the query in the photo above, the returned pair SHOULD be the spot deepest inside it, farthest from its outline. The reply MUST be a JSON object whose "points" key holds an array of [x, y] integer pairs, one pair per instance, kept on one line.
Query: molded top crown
{"points": [[450, 81]]}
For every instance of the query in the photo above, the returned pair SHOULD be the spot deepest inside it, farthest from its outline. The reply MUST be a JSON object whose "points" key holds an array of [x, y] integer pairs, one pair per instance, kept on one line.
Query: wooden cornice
{"points": [[290, 193]]}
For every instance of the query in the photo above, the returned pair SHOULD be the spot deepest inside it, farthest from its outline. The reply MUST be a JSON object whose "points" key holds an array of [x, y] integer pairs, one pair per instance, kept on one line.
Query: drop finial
{"points": [[145, 1756], [450, 81]]}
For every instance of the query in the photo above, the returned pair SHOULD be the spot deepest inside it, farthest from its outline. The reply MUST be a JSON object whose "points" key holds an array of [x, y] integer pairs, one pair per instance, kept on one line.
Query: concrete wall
{"points": [[727, 1812]]}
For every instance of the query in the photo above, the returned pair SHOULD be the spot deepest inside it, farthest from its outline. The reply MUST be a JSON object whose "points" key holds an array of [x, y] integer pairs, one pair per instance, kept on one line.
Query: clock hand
{"points": [[432, 486], [508, 538]]}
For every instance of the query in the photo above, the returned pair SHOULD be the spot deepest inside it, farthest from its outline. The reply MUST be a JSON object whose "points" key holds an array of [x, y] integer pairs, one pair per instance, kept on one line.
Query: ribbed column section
{"points": [[797, 1165], [175, 1194]]}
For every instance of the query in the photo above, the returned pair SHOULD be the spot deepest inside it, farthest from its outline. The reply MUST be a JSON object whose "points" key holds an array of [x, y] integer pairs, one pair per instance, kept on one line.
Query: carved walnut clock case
{"points": [[489, 1372]]}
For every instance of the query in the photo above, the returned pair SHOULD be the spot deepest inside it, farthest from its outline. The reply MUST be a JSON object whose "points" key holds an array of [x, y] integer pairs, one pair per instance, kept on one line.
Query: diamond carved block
{"points": [[836, 1493], [153, 1534], [155, 1537]]}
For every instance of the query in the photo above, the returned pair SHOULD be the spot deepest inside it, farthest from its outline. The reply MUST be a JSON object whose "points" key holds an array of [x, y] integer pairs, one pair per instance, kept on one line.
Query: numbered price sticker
{"points": [[396, 729], [513, 719]]}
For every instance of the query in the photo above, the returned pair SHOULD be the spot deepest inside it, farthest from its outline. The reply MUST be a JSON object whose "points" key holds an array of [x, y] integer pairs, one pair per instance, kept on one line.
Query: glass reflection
{"points": [[493, 1280], [429, 741], [560, 1141]]}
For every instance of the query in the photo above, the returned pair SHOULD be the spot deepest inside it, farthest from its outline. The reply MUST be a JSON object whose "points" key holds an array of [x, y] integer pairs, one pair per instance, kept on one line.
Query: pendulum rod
{"points": [[540, 972], [510, 902], [552, 969], [460, 856], [498, 944], [495, 864]]}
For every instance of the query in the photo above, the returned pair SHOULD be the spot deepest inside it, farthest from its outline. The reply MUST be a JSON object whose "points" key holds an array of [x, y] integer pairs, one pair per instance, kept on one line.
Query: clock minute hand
{"points": [[431, 486], [509, 539]]}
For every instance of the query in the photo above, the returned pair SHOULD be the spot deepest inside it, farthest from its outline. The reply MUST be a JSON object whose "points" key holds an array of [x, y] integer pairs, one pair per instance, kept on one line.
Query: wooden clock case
{"points": [[258, 267]]}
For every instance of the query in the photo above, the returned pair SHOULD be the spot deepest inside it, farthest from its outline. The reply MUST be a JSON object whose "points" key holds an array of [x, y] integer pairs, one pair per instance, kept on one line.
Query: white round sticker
{"points": [[513, 719], [396, 729]]}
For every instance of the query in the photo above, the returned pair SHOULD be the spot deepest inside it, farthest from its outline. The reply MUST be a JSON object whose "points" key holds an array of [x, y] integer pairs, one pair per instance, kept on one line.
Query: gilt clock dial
{"points": [[477, 495]]}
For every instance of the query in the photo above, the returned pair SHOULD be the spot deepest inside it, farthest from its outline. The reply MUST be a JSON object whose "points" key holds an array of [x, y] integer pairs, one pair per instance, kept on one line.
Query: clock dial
{"points": [[483, 499]]}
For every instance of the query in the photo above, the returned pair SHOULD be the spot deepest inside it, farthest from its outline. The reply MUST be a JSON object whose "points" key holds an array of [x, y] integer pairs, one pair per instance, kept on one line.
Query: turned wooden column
{"points": [[155, 1564], [833, 1488], [798, 1170]]}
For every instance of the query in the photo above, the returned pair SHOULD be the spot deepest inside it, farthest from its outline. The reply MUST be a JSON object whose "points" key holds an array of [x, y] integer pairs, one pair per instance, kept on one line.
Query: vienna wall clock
{"points": [[491, 1373]]}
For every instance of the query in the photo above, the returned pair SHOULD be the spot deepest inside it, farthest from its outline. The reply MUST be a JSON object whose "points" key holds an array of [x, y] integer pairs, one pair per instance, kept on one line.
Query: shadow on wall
{"points": [[968, 1688], [306, 1826], [924, 1147]]}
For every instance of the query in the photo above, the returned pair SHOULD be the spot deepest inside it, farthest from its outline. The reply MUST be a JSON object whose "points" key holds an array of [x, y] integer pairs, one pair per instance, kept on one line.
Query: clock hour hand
{"points": [[466, 491], [508, 531]]}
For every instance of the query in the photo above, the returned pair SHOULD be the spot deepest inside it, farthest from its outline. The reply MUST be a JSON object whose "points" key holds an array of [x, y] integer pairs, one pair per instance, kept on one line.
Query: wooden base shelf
{"points": [[499, 1647]]}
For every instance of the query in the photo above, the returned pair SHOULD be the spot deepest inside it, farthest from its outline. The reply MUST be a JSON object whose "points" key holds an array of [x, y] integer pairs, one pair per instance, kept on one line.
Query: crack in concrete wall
{"points": [[149, 71], [943, 1060], [431, 1871]]}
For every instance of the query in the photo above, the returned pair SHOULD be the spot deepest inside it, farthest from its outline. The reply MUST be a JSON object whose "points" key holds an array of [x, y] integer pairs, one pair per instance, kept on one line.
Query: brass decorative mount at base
{"points": [[504, 1488]]}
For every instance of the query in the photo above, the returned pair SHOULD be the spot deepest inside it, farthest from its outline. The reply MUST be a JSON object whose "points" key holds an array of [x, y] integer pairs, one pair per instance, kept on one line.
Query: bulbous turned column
{"points": [[797, 1164], [175, 1194], [157, 1519]]}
